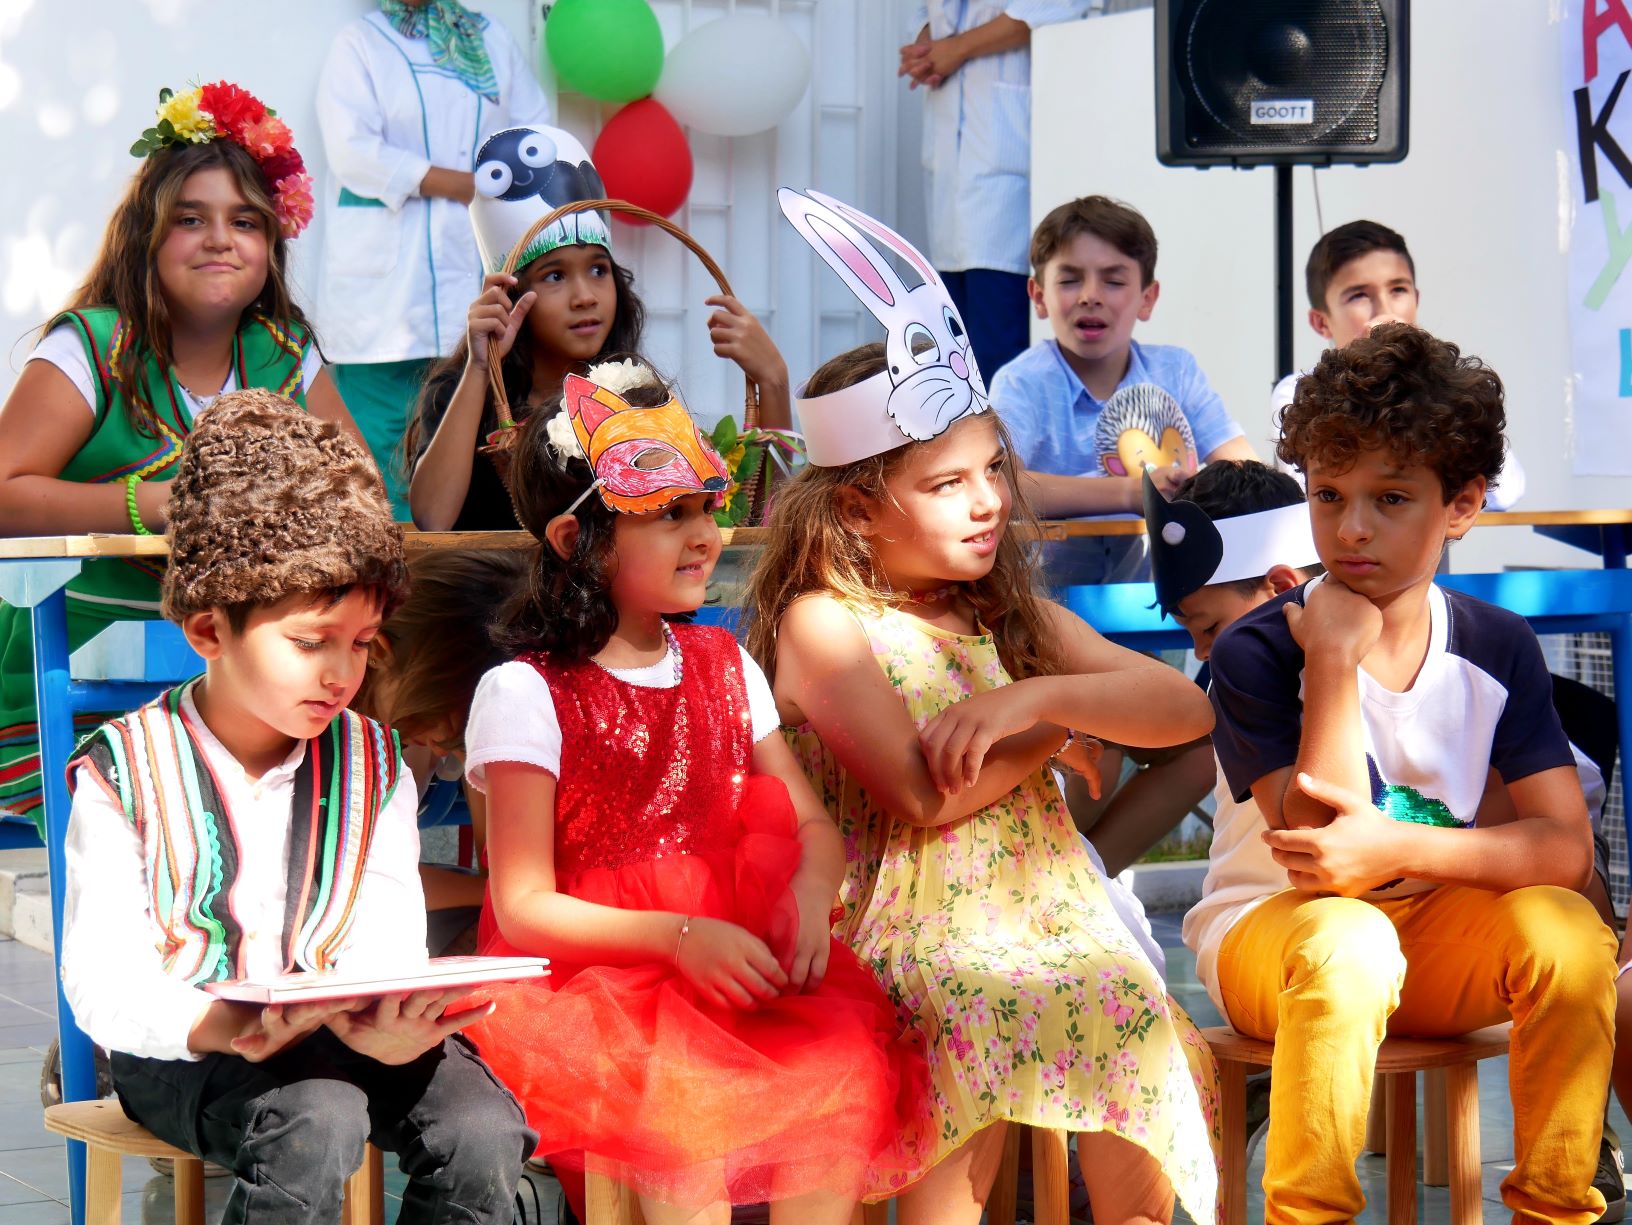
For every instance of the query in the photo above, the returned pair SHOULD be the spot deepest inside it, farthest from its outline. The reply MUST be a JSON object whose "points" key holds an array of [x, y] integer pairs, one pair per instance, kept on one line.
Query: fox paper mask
{"points": [[643, 458]]}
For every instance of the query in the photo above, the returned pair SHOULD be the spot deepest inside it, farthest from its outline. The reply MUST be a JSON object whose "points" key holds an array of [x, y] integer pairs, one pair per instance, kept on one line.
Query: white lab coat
{"points": [[977, 138], [399, 271]]}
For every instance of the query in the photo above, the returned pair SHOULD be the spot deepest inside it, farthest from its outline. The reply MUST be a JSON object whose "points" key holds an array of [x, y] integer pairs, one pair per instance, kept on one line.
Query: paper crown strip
{"points": [[1189, 551], [643, 458], [930, 378], [225, 112], [523, 174]]}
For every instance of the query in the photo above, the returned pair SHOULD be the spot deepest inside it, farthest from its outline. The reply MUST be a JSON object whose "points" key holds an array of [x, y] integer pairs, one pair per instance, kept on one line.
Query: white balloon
{"points": [[735, 76]]}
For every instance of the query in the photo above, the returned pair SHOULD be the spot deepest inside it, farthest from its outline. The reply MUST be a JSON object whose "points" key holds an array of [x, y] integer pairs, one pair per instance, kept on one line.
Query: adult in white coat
{"points": [[974, 59], [405, 98]]}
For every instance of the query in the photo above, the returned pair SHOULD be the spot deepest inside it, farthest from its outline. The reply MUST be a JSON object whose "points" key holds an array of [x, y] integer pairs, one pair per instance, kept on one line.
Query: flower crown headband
{"points": [[224, 112]]}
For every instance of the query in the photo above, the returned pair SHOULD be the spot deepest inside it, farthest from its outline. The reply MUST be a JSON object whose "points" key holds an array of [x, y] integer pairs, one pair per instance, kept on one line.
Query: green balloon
{"points": [[611, 50]]}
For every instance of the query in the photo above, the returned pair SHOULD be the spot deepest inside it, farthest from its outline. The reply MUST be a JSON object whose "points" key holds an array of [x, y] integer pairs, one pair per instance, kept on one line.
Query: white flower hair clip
{"points": [[562, 438], [623, 376]]}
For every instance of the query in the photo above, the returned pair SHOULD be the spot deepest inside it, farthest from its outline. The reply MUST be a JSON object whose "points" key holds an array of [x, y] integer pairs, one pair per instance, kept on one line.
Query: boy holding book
{"points": [[247, 824]]}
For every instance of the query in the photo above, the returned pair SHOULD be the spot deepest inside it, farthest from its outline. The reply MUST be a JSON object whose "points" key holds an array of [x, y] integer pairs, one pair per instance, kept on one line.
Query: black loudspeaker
{"points": [[1281, 82]]}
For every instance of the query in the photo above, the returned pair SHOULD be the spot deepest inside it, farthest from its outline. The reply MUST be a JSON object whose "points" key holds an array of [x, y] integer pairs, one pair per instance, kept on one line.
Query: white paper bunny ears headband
{"points": [[930, 379], [1189, 550]]}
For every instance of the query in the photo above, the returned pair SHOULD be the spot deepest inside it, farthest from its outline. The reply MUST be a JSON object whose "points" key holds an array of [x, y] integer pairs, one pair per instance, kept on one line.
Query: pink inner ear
{"points": [[894, 241], [852, 257], [1113, 465]]}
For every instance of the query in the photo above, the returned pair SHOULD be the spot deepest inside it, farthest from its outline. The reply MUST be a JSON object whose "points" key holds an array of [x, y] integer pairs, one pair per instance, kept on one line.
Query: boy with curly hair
{"points": [[246, 824], [1368, 712]]}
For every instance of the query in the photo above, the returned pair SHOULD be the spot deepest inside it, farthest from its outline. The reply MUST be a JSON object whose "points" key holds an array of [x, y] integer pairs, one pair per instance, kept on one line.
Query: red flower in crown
{"points": [[280, 166], [233, 109], [267, 137]]}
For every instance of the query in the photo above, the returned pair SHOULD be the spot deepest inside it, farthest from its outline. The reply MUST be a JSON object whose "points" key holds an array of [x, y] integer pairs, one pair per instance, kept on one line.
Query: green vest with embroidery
{"points": [[151, 764], [263, 355]]}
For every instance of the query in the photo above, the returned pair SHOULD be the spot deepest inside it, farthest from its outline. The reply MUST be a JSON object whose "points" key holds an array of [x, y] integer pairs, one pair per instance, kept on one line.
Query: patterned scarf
{"points": [[455, 37]]}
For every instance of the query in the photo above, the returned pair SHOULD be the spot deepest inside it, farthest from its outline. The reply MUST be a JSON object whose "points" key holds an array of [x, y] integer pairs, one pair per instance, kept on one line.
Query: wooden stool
{"points": [[1050, 1177], [1398, 1062], [109, 1135]]}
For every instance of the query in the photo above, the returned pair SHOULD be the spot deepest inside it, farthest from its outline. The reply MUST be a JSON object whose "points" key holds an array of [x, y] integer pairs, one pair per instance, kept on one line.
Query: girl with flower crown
{"points": [[187, 298], [701, 1038]]}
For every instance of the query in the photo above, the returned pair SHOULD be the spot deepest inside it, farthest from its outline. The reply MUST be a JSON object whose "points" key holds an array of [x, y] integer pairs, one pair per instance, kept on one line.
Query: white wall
{"points": [[79, 79], [1481, 200]]}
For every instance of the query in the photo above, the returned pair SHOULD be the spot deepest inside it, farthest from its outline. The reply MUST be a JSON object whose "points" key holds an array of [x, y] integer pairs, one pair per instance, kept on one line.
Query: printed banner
{"points": [[1597, 50]]}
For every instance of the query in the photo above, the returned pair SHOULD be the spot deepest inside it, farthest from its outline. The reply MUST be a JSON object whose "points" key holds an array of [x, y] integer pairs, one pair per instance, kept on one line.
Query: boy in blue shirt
{"points": [[246, 824], [1088, 409], [1367, 713]]}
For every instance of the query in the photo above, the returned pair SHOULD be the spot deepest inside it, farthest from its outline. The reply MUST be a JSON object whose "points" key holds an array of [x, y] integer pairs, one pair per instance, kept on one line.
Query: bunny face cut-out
{"points": [[523, 174], [930, 378], [643, 458]]}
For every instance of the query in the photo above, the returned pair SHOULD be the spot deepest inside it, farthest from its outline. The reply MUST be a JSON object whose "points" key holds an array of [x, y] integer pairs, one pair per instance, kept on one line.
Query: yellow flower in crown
{"points": [[186, 120]]}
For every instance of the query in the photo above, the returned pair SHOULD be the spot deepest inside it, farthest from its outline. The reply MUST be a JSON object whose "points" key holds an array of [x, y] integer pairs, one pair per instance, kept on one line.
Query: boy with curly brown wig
{"points": [[246, 824], [1380, 722]]}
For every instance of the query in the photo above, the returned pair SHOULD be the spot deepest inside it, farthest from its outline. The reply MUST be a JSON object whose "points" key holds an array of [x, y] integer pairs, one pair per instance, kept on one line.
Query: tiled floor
{"points": [[34, 1182]]}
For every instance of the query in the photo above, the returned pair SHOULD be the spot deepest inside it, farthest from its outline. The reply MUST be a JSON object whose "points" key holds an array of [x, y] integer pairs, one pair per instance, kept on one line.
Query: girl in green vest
{"points": [[187, 298]]}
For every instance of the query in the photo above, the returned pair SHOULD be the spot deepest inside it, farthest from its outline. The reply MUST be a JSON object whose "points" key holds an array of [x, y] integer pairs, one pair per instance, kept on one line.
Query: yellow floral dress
{"points": [[995, 939]]}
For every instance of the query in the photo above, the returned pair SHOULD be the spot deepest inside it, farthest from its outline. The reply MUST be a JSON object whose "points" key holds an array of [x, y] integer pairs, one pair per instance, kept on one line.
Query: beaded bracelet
{"points": [[136, 523], [1054, 762]]}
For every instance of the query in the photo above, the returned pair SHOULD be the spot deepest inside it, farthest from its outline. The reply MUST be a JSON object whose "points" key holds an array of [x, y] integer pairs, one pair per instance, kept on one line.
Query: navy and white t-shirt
{"points": [[1482, 699]]}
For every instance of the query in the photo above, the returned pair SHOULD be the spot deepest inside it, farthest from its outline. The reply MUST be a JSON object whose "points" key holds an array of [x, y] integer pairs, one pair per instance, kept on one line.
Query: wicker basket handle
{"points": [[495, 377]]}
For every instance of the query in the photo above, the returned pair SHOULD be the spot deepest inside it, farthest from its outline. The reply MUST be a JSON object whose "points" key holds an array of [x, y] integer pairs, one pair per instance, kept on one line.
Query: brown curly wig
{"points": [[269, 501], [1403, 391]]}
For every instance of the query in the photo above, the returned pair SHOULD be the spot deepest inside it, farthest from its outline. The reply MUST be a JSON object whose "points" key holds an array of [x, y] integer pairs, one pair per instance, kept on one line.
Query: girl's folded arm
{"points": [[530, 913], [826, 669], [1117, 694], [44, 423]]}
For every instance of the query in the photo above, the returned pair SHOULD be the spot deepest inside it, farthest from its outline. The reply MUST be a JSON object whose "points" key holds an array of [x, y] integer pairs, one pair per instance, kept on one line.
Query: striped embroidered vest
{"points": [[151, 764]]}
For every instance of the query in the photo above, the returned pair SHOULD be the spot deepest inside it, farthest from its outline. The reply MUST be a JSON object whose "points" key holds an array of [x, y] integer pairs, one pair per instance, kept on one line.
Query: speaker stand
{"points": [[1283, 271]]}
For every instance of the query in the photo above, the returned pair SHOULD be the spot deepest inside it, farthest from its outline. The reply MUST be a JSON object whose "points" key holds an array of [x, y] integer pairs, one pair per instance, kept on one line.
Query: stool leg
{"points": [[1402, 1148], [1051, 1175], [1000, 1204], [1433, 1128], [1233, 1094], [364, 1202], [189, 1187], [1462, 1118], [101, 1185], [1376, 1119]]}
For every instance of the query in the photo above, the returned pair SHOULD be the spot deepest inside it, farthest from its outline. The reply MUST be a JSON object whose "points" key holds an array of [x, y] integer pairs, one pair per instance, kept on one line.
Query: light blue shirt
{"points": [[977, 137], [1052, 417]]}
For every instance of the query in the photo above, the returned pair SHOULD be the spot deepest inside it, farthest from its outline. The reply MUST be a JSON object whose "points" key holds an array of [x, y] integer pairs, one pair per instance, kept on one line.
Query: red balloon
{"points": [[643, 158]]}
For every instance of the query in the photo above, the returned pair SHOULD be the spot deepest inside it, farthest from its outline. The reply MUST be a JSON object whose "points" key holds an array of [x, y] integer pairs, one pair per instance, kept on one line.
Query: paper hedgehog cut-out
{"points": [[1142, 425]]}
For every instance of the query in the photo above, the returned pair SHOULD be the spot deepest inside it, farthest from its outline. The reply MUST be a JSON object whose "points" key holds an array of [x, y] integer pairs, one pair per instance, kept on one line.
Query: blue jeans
{"points": [[996, 312]]}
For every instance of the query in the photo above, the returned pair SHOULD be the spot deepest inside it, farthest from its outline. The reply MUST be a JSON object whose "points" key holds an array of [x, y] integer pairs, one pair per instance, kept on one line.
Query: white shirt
{"points": [[1504, 492], [977, 137], [62, 347], [512, 716], [1241, 873], [112, 970], [399, 271]]}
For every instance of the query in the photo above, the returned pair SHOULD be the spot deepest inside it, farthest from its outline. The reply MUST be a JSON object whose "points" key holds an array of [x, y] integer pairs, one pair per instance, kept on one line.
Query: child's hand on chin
{"points": [[268, 1030], [1334, 621], [401, 1028]]}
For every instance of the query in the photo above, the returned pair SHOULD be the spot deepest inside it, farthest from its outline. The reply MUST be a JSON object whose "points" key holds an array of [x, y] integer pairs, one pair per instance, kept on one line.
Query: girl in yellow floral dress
{"points": [[928, 690]]}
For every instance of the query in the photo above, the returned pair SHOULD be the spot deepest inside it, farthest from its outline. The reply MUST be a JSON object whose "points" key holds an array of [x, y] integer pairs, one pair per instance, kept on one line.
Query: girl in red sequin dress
{"points": [[702, 1038]]}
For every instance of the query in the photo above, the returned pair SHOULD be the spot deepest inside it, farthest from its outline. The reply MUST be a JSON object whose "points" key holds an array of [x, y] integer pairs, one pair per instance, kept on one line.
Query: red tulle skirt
{"points": [[626, 1071]]}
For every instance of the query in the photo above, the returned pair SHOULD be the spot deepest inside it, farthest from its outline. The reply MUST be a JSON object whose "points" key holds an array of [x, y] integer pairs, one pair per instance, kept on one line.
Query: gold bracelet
{"points": [[685, 926]]}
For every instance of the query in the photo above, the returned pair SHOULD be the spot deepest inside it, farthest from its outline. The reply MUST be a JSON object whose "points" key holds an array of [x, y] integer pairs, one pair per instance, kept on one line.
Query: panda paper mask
{"points": [[523, 174]]}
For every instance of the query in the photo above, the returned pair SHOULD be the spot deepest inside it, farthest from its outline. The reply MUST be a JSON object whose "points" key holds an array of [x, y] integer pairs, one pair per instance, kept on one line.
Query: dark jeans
{"points": [[293, 1128], [997, 313]]}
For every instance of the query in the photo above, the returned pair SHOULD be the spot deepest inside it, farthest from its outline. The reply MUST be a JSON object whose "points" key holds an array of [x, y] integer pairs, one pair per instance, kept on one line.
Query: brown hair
{"points": [[122, 274], [439, 639], [1405, 392], [811, 547], [268, 502], [1121, 225], [1348, 242]]}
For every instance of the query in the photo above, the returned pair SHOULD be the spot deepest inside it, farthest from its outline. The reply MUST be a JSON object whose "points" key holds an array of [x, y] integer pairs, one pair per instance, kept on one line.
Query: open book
{"points": [[437, 974]]}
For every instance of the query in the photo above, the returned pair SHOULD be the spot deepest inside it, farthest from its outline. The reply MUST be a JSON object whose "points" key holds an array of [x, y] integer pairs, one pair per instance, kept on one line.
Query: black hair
{"points": [[1348, 242], [564, 607]]}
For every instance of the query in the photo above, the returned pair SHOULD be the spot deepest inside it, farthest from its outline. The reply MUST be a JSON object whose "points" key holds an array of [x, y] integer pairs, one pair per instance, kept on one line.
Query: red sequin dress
{"points": [[626, 1070]]}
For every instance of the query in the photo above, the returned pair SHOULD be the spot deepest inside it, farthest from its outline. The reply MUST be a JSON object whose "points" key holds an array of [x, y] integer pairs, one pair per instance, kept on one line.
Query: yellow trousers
{"points": [[1326, 977]]}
